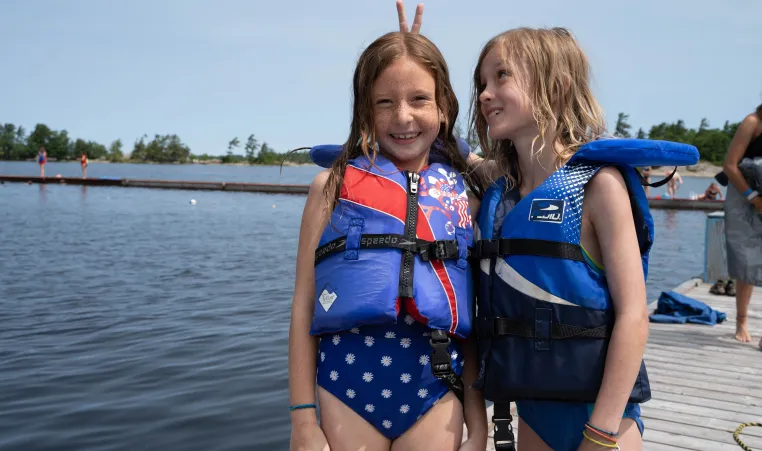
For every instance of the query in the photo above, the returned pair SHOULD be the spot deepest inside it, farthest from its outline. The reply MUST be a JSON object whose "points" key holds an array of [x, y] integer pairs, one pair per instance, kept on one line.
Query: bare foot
{"points": [[742, 333]]}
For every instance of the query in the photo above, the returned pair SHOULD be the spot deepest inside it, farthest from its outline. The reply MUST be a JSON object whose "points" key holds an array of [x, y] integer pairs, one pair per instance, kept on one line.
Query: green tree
{"points": [[266, 155], [251, 147], [233, 144], [622, 129], [703, 125], [40, 137], [60, 146], [8, 142], [139, 151], [115, 154], [641, 134]]}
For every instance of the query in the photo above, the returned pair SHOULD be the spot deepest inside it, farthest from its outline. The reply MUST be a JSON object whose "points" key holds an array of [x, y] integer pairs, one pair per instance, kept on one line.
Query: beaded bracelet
{"points": [[302, 406]]}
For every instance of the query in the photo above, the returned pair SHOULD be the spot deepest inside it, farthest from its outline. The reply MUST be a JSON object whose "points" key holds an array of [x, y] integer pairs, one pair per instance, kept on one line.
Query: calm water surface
{"points": [[132, 319]]}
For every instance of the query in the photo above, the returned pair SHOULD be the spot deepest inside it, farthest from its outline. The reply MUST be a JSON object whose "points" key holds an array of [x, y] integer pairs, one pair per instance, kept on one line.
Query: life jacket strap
{"points": [[441, 364], [502, 247], [503, 432], [491, 327], [428, 250], [644, 182]]}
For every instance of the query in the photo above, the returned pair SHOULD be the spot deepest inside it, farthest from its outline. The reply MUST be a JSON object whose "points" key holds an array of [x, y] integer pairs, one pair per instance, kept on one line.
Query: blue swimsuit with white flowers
{"points": [[383, 372]]}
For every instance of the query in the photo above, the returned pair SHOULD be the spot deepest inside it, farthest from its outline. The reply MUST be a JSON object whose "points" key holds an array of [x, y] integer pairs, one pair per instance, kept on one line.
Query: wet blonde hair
{"points": [[556, 75], [362, 135]]}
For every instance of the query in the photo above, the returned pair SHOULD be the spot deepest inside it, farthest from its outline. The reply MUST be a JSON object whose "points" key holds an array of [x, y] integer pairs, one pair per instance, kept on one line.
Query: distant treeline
{"points": [[15, 144], [712, 143]]}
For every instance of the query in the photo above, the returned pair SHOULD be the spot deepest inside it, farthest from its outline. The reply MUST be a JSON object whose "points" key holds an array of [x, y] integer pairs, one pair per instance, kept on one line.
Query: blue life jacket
{"points": [[544, 315], [394, 237]]}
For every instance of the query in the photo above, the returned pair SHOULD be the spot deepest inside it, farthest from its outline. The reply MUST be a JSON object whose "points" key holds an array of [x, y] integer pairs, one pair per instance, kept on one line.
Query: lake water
{"points": [[132, 319]]}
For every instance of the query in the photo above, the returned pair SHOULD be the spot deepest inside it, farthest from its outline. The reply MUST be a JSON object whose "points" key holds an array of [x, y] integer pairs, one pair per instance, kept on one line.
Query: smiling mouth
{"points": [[493, 113], [404, 137]]}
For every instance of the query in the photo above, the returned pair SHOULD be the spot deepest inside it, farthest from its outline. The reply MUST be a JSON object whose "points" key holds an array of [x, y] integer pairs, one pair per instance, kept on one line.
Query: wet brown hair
{"points": [[362, 135], [557, 76], [759, 111]]}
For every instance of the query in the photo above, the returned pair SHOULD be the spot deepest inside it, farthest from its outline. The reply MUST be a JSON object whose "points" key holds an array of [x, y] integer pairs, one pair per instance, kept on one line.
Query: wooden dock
{"points": [[704, 383], [654, 203]]}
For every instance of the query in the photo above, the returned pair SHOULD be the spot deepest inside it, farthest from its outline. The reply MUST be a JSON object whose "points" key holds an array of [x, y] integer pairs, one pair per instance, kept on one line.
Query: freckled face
{"points": [[405, 113]]}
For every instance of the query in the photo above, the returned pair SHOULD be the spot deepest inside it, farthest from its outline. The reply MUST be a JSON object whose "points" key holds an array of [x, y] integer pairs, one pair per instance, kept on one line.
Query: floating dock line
{"points": [[275, 188], [163, 184]]}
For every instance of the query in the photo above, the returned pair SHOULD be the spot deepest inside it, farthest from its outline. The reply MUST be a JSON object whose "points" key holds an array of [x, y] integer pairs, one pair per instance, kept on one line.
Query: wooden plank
{"points": [[700, 411], [716, 380], [750, 374], [721, 426], [731, 403], [695, 430], [675, 379], [719, 356], [686, 441], [651, 446], [704, 383]]}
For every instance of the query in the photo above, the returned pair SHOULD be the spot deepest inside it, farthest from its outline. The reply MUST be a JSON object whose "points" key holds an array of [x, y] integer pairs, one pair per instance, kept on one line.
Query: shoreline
{"points": [[702, 169], [190, 163]]}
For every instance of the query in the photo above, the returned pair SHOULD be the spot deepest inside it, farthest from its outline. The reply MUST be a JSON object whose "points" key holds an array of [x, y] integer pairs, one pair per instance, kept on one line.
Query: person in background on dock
{"points": [[83, 163], [367, 338], [533, 110], [712, 192], [743, 215], [42, 158], [673, 184]]}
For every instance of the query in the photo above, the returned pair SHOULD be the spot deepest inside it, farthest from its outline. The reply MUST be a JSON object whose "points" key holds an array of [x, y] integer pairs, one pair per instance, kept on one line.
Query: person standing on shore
{"points": [[743, 215]]}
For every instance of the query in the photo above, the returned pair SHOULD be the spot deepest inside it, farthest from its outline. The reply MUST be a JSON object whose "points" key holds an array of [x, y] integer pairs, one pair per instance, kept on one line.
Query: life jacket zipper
{"points": [[408, 258]]}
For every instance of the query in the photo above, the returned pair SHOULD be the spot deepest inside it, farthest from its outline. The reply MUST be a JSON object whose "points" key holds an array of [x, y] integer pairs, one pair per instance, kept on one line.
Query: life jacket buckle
{"points": [[439, 250], [441, 365], [503, 435]]}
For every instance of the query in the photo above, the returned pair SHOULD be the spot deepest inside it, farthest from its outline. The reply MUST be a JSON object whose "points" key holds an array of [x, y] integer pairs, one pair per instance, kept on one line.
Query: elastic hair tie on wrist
{"points": [[302, 406]]}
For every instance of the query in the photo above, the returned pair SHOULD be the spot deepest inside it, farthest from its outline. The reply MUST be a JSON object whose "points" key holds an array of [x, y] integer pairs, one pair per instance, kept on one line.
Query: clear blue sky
{"points": [[210, 71]]}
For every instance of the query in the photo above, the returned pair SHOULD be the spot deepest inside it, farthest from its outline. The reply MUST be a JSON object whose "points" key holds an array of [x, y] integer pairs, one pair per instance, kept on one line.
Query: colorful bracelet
{"points": [[747, 192], [302, 406], [601, 434], [595, 429], [605, 445]]}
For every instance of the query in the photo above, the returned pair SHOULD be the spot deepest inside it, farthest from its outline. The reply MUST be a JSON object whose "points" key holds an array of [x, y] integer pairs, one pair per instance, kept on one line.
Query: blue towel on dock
{"points": [[678, 308]]}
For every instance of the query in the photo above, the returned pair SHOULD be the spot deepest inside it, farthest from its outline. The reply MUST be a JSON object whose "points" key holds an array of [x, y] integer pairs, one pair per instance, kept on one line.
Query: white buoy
{"points": [[193, 201], [273, 205]]}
